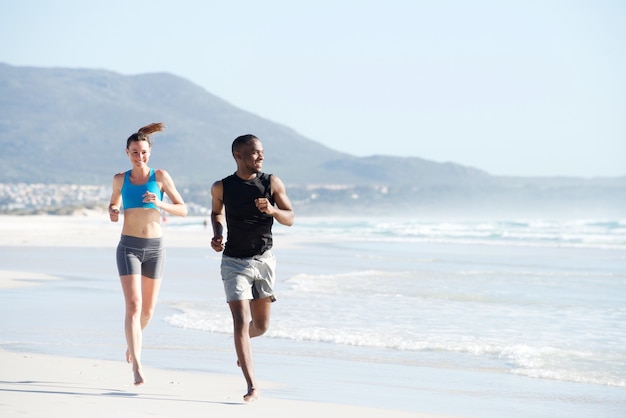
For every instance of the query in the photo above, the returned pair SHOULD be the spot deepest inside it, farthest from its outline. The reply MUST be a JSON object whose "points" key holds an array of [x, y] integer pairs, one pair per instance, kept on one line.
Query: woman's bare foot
{"points": [[129, 357], [138, 376], [252, 395]]}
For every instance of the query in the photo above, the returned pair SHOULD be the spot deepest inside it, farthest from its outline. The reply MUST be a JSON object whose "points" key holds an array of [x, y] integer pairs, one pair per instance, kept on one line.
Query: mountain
{"points": [[70, 125], [61, 125]]}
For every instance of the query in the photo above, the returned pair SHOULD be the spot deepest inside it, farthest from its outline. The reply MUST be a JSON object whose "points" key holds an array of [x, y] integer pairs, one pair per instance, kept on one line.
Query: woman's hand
{"points": [[149, 197], [114, 213]]}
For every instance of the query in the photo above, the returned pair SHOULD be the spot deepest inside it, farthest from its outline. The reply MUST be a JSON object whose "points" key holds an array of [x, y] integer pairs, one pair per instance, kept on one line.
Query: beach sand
{"points": [[34, 385], [41, 385]]}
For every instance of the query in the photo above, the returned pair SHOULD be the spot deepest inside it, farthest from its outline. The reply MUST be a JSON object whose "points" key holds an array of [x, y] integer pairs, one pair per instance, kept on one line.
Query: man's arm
{"points": [[283, 211], [217, 216]]}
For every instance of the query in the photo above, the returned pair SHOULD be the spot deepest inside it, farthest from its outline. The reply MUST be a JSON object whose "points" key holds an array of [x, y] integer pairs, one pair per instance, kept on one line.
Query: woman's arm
{"points": [[177, 207], [116, 197]]}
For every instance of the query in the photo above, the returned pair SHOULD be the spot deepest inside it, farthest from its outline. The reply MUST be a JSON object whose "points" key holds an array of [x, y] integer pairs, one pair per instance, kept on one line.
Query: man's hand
{"points": [[217, 243], [263, 205]]}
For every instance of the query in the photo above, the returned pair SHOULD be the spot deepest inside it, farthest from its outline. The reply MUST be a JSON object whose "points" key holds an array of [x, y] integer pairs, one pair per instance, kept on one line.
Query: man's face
{"points": [[251, 156]]}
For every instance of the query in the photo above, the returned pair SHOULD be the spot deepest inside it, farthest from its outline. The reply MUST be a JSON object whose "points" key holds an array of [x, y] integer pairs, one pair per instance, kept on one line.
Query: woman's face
{"points": [[139, 153]]}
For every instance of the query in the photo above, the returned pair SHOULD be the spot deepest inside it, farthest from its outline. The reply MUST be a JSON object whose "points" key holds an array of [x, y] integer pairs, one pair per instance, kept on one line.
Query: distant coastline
{"points": [[550, 198]]}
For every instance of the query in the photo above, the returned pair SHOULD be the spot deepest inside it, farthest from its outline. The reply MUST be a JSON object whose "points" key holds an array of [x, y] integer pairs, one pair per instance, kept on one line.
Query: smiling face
{"points": [[139, 153], [249, 157]]}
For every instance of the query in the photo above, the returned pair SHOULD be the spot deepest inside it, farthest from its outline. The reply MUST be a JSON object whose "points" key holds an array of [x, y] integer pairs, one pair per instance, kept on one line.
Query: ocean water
{"points": [[515, 318], [539, 299], [544, 300]]}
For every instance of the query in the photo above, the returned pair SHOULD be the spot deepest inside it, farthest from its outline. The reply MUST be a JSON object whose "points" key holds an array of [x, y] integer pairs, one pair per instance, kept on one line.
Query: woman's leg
{"points": [[141, 294], [140, 291], [150, 294], [131, 286]]}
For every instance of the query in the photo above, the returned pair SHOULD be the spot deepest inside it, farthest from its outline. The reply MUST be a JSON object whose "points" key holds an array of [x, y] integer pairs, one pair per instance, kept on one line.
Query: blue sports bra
{"points": [[132, 194]]}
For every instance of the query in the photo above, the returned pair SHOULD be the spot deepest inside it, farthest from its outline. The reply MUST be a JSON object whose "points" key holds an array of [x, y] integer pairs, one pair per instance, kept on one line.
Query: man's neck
{"points": [[247, 175]]}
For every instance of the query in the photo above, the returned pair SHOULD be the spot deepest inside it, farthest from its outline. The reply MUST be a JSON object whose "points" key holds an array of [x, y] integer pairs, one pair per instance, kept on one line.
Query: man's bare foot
{"points": [[138, 376], [252, 395]]}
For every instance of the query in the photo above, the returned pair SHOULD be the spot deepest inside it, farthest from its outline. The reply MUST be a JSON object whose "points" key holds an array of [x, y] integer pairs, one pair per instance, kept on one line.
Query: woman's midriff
{"points": [[142, 223]]}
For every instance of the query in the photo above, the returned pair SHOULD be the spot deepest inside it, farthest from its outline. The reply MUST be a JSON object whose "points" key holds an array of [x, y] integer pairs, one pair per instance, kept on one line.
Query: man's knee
{"points": [[260, 325], [241, 316]]}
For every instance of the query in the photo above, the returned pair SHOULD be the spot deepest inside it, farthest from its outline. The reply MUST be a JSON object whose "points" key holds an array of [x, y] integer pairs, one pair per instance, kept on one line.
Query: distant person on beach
{"points": [[247, 202], [140, 253]]}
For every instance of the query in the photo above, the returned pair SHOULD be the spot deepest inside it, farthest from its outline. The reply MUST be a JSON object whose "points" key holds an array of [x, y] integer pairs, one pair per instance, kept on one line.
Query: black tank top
{"points": [[249, 231]]}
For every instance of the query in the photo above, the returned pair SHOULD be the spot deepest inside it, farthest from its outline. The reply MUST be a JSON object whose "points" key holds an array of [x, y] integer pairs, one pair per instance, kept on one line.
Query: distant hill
{"points": [[70, 126]]}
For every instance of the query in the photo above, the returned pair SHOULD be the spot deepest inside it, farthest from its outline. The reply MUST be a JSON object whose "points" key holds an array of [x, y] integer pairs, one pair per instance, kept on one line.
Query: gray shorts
{"points": [[249, 278], [145, 256]]}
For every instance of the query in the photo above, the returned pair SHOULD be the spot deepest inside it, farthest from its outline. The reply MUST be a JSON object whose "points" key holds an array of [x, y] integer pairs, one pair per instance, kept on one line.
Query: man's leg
{"points": [[260, 311], [240, 310]]}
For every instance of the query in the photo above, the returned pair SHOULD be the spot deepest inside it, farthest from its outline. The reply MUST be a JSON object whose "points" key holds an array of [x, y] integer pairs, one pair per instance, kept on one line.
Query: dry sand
{"points": [[34, 385]]}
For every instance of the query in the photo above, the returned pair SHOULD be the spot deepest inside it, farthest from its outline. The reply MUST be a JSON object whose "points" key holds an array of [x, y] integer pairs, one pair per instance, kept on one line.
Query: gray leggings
{"points": [[145, 256]]}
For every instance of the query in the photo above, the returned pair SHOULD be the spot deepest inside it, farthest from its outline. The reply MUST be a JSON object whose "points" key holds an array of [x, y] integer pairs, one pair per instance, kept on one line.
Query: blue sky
{"points": [[532, 88]]}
